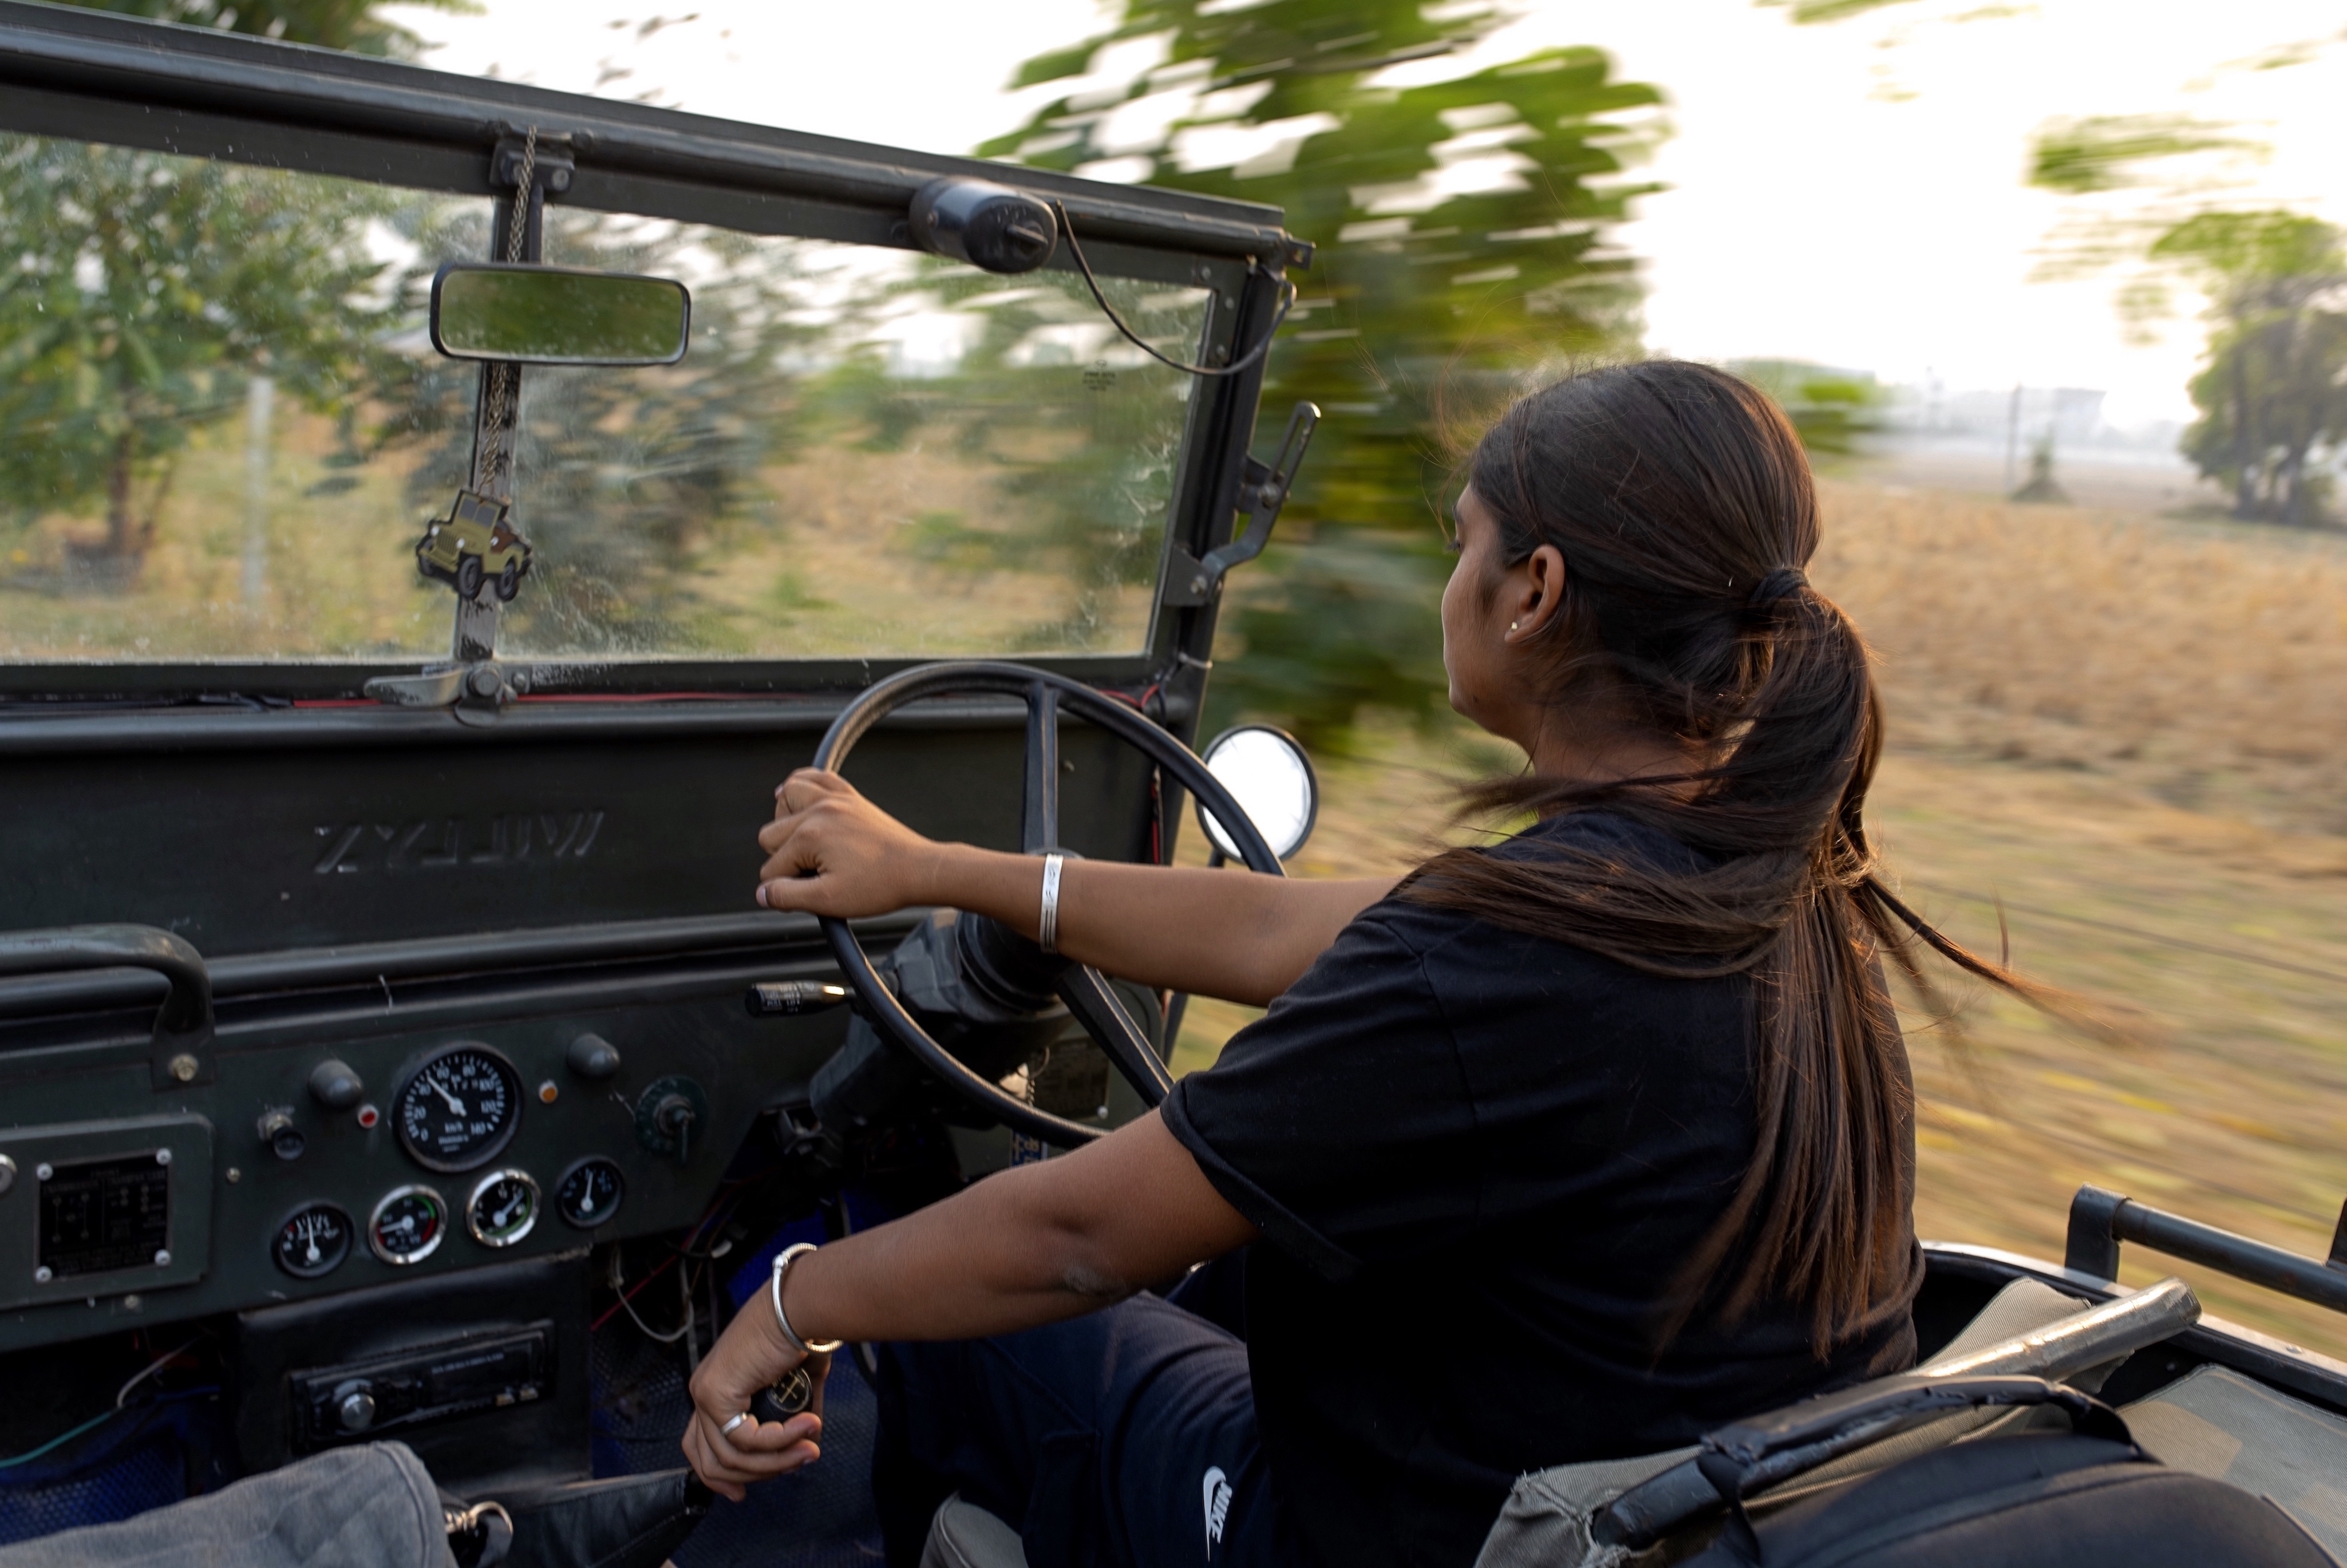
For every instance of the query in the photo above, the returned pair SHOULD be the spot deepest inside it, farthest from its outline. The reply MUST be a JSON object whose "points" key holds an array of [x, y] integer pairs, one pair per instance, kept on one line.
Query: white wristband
{"points": [[783, 1261], [1047, 927]]}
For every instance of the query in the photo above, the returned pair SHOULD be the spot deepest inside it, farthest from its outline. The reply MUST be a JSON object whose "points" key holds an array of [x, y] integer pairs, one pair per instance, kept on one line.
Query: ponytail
{"points": [[1683, 505]]}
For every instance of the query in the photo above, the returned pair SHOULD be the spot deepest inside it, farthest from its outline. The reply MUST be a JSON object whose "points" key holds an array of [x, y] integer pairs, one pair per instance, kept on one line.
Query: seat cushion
{"points": [[2216, 1422], [2039, 1500], [964, 1535]]}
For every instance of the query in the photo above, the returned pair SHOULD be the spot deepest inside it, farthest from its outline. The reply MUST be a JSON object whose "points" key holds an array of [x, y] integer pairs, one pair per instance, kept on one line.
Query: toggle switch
{"points": [[277, 1130]]}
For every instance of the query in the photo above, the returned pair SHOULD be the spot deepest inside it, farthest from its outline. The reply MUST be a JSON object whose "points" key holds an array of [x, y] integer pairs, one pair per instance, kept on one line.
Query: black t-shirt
{"points": [[1480, 1158]]}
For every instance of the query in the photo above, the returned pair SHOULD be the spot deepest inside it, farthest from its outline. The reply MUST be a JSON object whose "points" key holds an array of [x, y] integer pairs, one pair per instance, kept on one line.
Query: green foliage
{"points": [[1831, 409], [2273, 395], [1806, 12], [143, 292], [2107, 152], [2253, 261], [352, 25], [1425, 307]]}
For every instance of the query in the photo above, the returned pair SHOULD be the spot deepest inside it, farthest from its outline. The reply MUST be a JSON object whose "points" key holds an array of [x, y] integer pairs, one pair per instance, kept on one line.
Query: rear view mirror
{"points": [[558, 315], [1267, 773]]}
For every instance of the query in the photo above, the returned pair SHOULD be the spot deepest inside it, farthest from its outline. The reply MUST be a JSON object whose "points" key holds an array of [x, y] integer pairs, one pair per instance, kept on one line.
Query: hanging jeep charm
{"points": [[475, 544]]}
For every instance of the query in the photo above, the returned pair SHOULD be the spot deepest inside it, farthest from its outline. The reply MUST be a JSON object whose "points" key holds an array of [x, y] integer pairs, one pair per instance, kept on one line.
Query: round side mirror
{"points": [[1268, 774]]}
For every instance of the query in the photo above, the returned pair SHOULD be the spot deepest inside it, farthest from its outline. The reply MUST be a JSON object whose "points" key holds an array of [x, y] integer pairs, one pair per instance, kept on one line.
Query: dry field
{"points": [[2133, 731], [852, 553]]}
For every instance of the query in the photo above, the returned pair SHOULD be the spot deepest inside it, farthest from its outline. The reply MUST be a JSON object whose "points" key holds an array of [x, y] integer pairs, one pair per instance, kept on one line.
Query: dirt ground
{"points": [[2131, 728]]}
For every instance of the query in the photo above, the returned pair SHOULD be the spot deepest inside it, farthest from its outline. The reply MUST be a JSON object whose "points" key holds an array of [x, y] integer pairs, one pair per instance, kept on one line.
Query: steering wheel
{"points": [[1083, 988]]}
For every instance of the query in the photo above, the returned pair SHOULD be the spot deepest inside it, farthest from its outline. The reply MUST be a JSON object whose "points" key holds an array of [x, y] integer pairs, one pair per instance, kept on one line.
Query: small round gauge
{"points": [[502, 1208], [312, 1242], [590, 1193], [458, 1109], [407, 1224]]}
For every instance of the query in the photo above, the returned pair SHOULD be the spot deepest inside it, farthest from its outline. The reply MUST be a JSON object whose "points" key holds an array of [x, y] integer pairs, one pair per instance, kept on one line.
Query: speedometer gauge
{"points": [[458, 1109]]}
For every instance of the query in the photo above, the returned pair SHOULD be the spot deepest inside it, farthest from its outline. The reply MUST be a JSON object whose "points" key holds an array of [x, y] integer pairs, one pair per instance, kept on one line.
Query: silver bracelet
{"points": [[1047, 927], [783, 1261]]}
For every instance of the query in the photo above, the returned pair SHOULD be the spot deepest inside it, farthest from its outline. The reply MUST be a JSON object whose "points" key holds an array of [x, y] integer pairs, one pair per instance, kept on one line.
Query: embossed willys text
{"points": [[441, 843]]}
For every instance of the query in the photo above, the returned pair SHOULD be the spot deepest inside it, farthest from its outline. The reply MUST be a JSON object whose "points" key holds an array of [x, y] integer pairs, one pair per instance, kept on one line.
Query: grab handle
{"points": [[183, 1026]]}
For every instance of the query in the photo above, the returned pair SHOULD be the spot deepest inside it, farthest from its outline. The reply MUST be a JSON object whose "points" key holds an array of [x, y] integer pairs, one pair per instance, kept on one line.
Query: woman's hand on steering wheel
{"points": [[832, 852]]}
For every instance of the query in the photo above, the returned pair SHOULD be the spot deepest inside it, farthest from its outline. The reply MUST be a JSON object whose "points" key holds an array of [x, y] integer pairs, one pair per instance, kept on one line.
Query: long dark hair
{"points": [[1683, 505]]}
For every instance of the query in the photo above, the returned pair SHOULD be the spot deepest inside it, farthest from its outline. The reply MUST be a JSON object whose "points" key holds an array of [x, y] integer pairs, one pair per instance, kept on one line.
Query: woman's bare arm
{"points": [[1026, 1247], [1227, 934]]}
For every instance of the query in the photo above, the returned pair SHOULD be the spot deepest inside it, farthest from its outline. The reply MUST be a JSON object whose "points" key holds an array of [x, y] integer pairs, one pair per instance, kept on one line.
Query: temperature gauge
{"points": [[590, 1192], [312, 1242], [502, 1209], [407, 1224]]}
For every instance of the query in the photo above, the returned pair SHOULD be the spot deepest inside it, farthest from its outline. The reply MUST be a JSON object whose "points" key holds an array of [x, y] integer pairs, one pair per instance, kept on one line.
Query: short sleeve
{"points": [[1341, 1123]]}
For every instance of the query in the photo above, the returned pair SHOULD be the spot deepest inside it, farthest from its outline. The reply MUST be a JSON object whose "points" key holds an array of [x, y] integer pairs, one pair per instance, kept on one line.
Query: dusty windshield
{"points": [[222, 428]]}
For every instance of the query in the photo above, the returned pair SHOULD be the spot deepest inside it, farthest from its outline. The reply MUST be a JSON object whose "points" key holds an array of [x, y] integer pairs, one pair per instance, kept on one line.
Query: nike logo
{"points": [[1216, 1490]]}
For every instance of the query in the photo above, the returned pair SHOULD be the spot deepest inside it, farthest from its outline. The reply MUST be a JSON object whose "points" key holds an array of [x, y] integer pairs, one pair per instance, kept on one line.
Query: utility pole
{"points": [[2012, 441], [260, 398]]}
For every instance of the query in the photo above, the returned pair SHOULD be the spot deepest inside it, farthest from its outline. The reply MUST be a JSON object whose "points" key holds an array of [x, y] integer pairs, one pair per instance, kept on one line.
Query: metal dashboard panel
{"points": [[228, 1204], [103, 1208]]}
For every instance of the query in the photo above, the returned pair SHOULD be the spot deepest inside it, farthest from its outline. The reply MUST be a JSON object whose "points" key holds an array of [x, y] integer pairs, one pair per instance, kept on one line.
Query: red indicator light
{"points": [[369, 1116]]}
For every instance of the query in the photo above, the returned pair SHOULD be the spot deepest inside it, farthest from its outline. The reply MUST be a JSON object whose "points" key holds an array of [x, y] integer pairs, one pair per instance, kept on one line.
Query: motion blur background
{"points": [[2053, 291]]}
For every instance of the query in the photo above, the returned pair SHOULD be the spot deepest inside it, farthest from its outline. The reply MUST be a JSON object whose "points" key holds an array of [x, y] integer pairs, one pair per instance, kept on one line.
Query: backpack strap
{"points": [[1737, 1461]]}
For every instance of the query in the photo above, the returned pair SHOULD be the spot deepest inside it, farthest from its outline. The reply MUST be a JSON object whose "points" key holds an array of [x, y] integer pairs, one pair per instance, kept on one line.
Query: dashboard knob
{"points": [[675, 1117], [354, 1408], [592, 1056], [277, 1130], [334, 1085]]}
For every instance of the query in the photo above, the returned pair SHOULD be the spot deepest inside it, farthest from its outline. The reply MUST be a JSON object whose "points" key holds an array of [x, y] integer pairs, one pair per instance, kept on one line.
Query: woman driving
{"points": [[1566, 1147]]}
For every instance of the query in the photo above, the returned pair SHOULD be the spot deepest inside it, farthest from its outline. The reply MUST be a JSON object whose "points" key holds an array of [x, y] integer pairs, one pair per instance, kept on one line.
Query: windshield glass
{"points": [[219, 414], [864, 452], [223, 429]]}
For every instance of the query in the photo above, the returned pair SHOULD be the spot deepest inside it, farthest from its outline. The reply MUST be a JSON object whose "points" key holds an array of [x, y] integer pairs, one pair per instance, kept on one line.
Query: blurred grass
{"points": [[2131, 729]]}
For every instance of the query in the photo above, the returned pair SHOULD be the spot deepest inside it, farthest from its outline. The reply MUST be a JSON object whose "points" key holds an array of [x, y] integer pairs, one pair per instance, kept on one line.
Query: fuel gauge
{"points": [[502, 1208], [590, 1193], [314, 1241]]}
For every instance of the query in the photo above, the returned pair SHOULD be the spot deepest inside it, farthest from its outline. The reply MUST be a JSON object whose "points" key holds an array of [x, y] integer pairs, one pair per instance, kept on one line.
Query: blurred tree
{"points": [[356, 26], [1462, 225], [144, 289], [1806, 12], [2275, 389], [1831, 409]]}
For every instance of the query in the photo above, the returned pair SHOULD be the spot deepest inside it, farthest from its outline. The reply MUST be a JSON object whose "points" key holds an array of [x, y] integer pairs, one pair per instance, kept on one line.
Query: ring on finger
{"points": [[727, 1429]]}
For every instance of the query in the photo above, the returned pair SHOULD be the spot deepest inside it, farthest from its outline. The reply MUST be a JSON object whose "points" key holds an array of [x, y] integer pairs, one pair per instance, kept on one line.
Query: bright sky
{"points": [[1850, 193]]}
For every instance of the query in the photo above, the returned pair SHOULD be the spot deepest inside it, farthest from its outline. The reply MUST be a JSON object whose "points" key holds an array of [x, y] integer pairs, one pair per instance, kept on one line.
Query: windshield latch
{"points": [[1263, 490]]}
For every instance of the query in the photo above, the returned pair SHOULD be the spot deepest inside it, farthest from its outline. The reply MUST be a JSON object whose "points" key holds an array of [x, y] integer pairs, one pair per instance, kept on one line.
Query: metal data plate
{"points": [[104, 1208]]}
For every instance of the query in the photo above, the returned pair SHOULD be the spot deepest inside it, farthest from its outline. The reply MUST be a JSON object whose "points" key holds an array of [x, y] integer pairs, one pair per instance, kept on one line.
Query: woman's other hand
{"points": [[831, 852], [749, 1355]]}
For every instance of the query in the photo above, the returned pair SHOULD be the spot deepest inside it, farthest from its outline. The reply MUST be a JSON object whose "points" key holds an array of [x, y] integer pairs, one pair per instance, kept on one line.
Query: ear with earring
{"points": [[1513, 624]]}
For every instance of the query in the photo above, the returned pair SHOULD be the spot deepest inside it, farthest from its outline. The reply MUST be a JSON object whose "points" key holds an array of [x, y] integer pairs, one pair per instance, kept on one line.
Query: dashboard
{"points": [[430, 1129]]}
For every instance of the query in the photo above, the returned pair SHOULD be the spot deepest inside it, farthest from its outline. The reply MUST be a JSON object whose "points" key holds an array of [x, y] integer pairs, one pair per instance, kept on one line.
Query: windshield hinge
{"points": [[1263, 490], [477, 690]]}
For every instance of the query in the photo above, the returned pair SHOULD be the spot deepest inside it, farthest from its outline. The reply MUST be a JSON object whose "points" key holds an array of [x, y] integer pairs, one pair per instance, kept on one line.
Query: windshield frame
{"points": [[197, 92]]}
